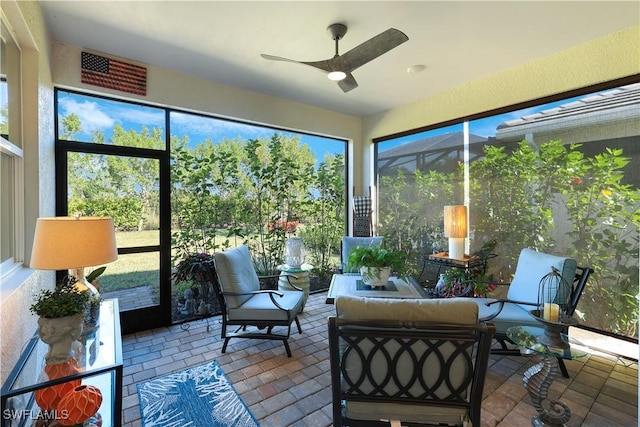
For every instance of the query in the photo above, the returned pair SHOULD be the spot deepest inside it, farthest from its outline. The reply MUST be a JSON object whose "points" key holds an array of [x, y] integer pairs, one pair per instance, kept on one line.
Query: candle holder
{"points": [[553, 293], [553, 330]]}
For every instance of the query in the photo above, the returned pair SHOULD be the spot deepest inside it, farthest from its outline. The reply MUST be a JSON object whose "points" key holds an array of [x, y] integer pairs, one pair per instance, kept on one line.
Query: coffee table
{"points": [[351, 284]]}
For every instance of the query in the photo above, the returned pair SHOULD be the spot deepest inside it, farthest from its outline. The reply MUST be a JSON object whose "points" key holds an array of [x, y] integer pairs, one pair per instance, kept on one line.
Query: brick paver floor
{"points": [[602, 390]]}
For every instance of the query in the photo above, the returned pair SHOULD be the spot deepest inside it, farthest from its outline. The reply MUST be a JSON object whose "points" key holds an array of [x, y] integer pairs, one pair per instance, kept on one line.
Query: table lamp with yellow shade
{"points": [[73, 243], [455, 228]]}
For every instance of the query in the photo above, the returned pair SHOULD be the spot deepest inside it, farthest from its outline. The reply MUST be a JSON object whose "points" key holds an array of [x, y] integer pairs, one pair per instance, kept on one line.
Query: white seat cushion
{"points": [[260, 307]]}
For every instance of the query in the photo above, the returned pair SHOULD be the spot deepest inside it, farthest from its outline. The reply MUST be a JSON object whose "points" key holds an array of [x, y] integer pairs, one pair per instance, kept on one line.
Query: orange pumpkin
{"points": [[79, 405], [48, 398]]}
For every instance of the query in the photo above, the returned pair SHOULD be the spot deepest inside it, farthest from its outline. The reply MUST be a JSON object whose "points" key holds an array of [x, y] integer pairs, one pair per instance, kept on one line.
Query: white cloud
{"points": [[92, 118]]}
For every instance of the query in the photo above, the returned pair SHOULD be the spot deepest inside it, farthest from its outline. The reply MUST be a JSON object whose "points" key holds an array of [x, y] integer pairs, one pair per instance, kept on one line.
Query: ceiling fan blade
{"points": [[372, 48], [348, 83], [324, 65]]}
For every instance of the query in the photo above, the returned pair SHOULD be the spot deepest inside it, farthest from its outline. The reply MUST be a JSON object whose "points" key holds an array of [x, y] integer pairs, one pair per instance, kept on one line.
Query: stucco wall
{"points": [[603, 59], [18, 324]]}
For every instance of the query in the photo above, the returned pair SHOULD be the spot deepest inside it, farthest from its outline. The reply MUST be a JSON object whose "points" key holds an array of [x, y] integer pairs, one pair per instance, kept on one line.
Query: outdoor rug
{"points": [[197, 397]]}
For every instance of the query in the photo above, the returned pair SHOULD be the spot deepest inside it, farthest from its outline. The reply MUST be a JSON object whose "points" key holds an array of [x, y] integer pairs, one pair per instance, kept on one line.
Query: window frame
{"points": [[15, 153]]}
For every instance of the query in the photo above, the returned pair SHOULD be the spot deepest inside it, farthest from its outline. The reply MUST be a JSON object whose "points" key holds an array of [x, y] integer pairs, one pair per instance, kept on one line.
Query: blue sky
{"points": [[97, 114]]}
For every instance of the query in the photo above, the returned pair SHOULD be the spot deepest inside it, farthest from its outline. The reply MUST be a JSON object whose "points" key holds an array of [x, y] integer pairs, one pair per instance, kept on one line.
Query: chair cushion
{"points": [[532, 267], [236, 274], [511, 314], [348, 243], [452, 311], [260, 307]]}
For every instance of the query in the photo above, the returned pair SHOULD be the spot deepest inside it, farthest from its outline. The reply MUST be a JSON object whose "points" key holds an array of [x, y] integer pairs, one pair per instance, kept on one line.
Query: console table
{"points": [[100, 365], [538, 378]]}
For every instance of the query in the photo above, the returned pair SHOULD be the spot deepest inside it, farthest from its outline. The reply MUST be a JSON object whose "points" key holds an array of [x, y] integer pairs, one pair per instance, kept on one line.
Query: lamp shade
{"points": [[63, 243], [455, 221]]}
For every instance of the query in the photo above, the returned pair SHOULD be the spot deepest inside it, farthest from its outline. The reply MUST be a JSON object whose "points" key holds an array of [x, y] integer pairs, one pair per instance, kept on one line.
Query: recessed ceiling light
{"points": [[416, 69]]}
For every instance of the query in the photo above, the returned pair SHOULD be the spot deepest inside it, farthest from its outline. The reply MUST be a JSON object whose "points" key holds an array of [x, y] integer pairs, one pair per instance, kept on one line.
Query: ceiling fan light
{"points": [[336, 76]]}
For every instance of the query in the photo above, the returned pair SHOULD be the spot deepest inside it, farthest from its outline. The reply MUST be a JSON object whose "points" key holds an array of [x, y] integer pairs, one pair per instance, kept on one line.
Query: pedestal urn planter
{"points": [[60, 333]]}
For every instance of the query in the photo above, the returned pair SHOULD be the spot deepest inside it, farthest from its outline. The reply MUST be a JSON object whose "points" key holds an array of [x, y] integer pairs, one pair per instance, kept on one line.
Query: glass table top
{"points": [[526, 336]]}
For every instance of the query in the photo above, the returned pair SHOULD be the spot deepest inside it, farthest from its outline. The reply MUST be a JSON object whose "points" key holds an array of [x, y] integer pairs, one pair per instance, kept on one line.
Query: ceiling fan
{"points": [[340, 67]]}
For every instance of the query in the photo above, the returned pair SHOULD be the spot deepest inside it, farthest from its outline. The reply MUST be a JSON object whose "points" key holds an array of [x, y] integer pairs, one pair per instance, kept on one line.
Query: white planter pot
{"points": [[376, 277]]}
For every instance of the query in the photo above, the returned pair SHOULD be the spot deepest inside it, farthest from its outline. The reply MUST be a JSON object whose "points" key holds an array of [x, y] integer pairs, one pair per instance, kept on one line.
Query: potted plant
{"points": [[61, 316], [376, 264], [458, 282], [193, 269]]}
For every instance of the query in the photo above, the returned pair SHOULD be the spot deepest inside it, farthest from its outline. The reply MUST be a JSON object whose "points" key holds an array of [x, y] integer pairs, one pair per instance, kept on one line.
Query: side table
{"points": [[301, 280], [442, 261], [538, 378], [100, 365]]}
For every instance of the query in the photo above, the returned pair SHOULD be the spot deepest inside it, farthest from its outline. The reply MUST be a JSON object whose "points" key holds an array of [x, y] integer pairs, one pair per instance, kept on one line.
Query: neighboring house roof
{"points": [[614, 106], [442, 142], [426, 152]]}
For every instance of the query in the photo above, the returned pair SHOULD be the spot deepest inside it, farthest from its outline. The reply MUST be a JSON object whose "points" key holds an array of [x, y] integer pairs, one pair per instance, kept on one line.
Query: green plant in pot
{"points": [[377, 263], [193, 270], [61, 317]]}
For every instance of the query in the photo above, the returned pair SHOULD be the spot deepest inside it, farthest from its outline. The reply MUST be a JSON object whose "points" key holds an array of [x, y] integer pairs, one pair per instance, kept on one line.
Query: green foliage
{"points": [[551, 198], [125, 210], [377, 256], [95, 274], [64, 300], [458, 281], [245, 190], [192, 267], [325, 215]]}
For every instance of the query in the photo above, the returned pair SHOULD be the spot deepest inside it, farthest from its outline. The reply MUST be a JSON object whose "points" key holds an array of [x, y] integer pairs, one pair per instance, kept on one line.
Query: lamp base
{"points": [[456, 248], [82, 284]]}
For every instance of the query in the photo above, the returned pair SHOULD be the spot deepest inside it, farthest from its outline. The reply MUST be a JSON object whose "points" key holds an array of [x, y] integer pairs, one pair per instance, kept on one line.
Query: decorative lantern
{"points": [[553, 295], [48, 398], [79, 405], [294, 252]]}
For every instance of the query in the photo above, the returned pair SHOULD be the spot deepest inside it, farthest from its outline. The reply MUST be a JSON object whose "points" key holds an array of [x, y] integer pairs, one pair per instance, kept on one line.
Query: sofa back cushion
{"points": [[454, 311]]}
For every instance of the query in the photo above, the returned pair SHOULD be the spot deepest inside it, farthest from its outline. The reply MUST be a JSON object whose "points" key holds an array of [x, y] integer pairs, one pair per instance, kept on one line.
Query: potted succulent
{"points": [[377, 263], [61, 316]]}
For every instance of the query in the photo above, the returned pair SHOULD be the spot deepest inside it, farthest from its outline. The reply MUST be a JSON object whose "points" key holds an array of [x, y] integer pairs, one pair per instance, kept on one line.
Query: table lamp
{"points": [[73, 243], [455, 228]]}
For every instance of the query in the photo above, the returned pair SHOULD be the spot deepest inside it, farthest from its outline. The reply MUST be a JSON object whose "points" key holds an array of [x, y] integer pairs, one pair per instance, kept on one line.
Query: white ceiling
{"points": [[222, 41]]}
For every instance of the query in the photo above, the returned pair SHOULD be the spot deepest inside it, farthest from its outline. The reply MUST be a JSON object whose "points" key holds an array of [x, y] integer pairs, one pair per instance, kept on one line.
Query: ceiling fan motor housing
{"points": [[337, 31]]}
